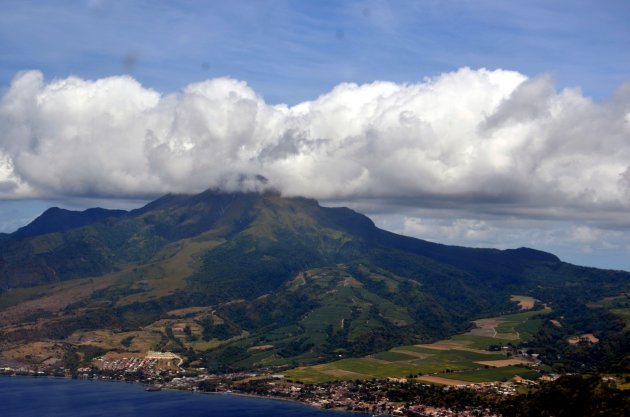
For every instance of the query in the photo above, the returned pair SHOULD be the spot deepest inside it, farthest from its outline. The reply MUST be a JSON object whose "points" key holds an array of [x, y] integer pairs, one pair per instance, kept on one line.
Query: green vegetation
{"points": [[569, 396], [463, 353], [479, 342], [491, 374], [523, 325], [399, 362], [285, 282], [624, 313], [393, 356]]}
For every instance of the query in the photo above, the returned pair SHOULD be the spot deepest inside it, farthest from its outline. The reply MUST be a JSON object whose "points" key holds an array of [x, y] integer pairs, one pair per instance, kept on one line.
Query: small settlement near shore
{"points": [[413, 396]]}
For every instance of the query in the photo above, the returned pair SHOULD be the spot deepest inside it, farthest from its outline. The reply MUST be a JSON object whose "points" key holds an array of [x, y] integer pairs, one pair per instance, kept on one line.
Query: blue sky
{"points": [[518, 182], [290, 51]]}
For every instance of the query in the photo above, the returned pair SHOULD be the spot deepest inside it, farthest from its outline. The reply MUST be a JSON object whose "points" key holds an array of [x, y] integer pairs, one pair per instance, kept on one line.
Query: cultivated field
{"points": [[505, 362], [490, 374], [462, 359]]}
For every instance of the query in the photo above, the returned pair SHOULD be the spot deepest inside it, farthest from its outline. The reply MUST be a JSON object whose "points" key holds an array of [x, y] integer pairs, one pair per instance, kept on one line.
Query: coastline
{"points": [[214, 393], [291, 400]]}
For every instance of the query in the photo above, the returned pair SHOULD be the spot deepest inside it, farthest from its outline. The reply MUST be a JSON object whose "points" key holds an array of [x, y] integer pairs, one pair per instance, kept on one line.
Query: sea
{"points": [[61, 397]]}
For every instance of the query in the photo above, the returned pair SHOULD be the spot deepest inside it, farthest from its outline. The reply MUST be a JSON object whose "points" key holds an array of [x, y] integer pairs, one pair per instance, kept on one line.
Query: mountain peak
{"points": [[304, 280]]}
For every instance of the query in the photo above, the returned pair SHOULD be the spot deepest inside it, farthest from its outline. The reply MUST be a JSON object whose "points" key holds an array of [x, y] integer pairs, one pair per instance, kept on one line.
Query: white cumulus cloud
{"points": [[495, 141]]}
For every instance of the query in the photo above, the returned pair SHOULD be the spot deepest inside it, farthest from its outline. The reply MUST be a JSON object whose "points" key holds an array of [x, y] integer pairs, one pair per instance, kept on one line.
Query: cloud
{"points": [[476, 140], [575, 241], [585, 235]]}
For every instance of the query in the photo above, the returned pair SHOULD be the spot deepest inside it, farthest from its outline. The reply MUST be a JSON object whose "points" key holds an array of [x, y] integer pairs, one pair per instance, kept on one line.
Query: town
{"points": [[388, 396]]}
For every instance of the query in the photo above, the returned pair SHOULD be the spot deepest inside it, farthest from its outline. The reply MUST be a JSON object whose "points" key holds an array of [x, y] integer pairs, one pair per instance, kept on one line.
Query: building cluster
{"points": [[126, 364], [165, 356], [392, 396], [365, 396]]}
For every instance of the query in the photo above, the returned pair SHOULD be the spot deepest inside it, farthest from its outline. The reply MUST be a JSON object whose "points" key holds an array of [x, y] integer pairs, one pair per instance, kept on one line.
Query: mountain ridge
{"points": [[56, 219], [264, 270], [201, 216]]}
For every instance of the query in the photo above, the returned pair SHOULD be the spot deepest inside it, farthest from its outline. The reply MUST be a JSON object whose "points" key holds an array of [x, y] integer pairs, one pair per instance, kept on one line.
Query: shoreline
{"points": [[218, 393], [291, 400]]}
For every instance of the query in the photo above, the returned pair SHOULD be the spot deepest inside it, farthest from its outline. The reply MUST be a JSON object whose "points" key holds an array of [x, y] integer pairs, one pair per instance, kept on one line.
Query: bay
{"points": [[58, 397]]}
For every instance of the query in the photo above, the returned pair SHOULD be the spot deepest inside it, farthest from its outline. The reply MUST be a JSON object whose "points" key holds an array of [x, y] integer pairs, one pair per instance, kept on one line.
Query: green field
{"points": [[399, 362], [491, 374], [478, 342], [460, 353], [522, 324], [391, 356], [624, 313]]}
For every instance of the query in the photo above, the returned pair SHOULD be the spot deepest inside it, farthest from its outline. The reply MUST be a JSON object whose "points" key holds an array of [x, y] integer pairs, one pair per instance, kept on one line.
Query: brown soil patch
{"points": [[504, 362], [555, 323], [488, 323], [449, 345], [418, 355], [444, 381], [587, 337], [119, 355], [258, 348], [590, 338], [440, 346], [89, 337], [59, 297], [142, 341], [485, 332], [299, 280], [36, 351], [180, 326], [524, 302], [351, 282], [187, 311], [483, 352], [485, 327]]}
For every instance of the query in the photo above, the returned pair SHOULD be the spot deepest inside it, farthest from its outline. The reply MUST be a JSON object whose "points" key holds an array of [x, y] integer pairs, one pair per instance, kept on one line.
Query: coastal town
{"points": [[388, 396], [455, 379]]}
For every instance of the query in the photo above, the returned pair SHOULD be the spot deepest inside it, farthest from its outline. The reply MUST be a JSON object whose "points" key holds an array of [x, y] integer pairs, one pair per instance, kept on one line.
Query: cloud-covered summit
{"points": [[470, 138]]}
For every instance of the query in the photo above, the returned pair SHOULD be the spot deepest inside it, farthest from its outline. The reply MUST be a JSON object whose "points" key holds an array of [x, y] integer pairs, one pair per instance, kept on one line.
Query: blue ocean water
{"points": [[50, 397]]}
